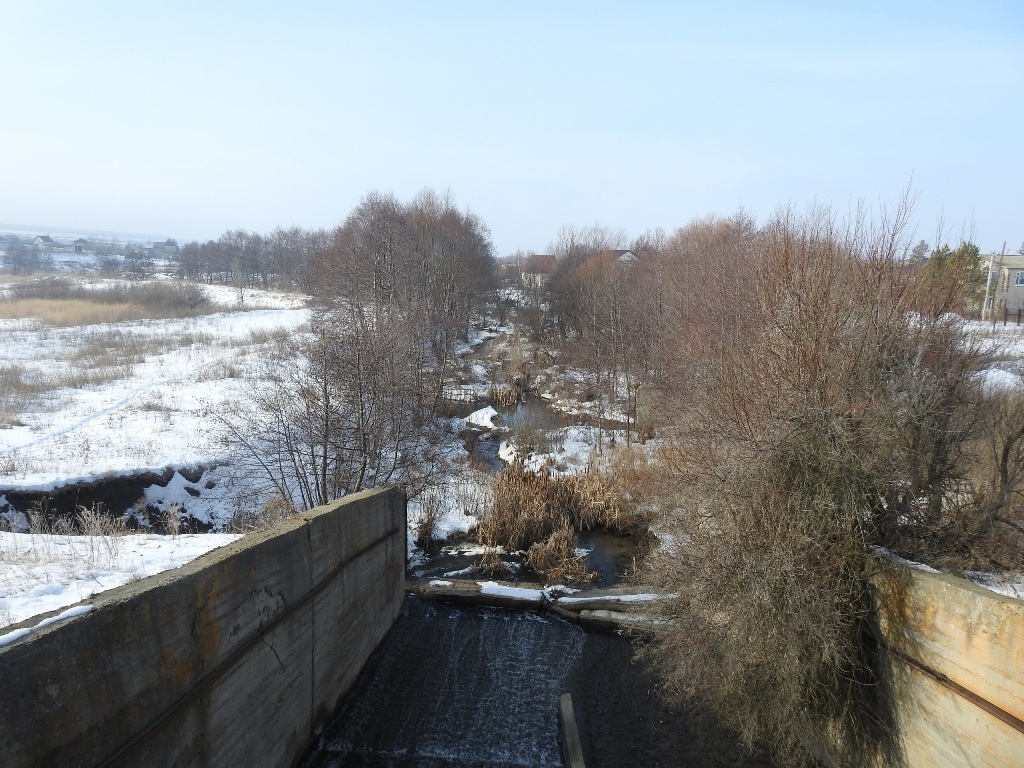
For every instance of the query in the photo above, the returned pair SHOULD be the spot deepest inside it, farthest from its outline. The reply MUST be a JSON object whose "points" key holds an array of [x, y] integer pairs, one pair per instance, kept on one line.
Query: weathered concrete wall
{"points": [[956, 653], [235, 659]]}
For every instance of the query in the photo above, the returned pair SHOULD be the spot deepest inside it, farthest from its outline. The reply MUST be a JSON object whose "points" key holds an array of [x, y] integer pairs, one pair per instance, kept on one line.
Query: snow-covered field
{"points": [[45, 572], [92, 402], [118, 398]]}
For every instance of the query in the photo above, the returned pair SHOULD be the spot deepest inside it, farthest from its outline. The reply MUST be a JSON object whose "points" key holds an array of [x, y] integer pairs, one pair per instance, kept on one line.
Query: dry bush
{"points": [[826, 417], [528, 507], [984, 526], [17, 389], [492, 565], [173, 519], [269, 336], [248, 519], [65, 304], [504, 396], [426, 524]]}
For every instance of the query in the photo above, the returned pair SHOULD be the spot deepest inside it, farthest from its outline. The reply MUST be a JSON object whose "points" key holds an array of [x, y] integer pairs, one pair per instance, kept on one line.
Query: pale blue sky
{"points": [[188, 118]]}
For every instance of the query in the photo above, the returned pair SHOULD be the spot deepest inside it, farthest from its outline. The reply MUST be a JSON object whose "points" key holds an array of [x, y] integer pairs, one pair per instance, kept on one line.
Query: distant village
{"points": [[157, 250], [26, 253]]}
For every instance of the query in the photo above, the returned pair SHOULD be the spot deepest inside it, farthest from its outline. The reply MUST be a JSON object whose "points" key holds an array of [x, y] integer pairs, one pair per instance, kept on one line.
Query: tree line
{"points": [[820, 394], [359, 402]]}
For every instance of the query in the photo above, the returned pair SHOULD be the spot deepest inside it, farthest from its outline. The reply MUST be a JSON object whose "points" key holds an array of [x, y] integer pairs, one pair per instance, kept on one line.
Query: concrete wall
{"points": [[956, 653], [235, 659]]}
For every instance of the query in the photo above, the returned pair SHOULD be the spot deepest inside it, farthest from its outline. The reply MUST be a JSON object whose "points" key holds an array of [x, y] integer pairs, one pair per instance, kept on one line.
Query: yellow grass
{"points": [[67, 313]]}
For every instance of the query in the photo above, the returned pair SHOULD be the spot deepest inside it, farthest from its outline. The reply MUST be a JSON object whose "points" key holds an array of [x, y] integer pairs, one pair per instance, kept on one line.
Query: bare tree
{"points": [[358, 404]]}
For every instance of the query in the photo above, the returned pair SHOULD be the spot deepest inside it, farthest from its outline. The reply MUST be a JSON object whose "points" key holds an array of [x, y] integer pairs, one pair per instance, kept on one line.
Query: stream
{"points": [[454, 687], [606, 554]]}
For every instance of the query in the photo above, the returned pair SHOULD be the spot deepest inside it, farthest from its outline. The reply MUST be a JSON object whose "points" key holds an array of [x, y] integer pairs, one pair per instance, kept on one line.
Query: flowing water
{"points": [[464, 687], [456, 687]]}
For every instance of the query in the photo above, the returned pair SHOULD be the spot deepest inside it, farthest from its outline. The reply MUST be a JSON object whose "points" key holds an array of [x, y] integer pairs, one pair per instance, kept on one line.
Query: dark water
{"points": [[457, 687], [608, 555], [461, 687], [533, 415]]}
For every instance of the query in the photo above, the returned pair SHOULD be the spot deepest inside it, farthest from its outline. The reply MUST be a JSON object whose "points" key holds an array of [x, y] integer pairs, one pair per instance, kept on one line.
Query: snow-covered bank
{"points": [[42, 572], [155, 408]]}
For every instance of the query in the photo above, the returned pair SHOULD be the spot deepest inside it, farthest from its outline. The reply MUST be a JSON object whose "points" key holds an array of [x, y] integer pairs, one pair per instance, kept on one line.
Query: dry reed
{"points": [[541, 512]]}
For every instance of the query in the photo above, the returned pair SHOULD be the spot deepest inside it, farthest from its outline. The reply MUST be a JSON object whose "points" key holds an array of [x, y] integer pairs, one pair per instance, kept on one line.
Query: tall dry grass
{"points": [[541, 512], [68, 313], [65, 304]]}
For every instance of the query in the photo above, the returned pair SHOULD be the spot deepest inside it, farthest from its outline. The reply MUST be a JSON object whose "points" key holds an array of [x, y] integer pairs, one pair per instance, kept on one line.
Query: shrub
{"points": [[825, 416], [65, 304]]}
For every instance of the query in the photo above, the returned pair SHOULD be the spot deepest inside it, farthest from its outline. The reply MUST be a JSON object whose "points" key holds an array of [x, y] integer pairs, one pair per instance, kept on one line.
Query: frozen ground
{"points": [[118, 398], [40, 573]]}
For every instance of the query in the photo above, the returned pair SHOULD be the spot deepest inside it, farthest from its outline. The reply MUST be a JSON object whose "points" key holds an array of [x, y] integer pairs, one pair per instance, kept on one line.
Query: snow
{"points": [[44, 572], [440, 583], [466, 393], [70, 613], [1008, 585], [14, 636], [476, 338], [201, 504], [995, 380], [458, 501], [159, 407], [572, 450], [494, 588], [483, 418], [638, 598], [883, 552]]}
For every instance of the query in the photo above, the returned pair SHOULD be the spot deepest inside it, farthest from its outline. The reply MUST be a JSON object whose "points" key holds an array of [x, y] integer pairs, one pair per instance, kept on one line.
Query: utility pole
{"points": [[988, 287]]}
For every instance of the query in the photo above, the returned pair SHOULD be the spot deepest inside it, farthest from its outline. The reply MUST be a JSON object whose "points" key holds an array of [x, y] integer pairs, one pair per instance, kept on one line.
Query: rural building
{"points": [[623, 257], [537, 270], [165, 250], [44, 240], [82, 245], [1006, 282]]}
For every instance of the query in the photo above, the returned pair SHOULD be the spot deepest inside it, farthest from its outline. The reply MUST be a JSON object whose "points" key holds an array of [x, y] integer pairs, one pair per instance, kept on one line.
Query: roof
{"points": [[624, 256], [539, 264], [81, 240], [1009, 261], [45, 238]]}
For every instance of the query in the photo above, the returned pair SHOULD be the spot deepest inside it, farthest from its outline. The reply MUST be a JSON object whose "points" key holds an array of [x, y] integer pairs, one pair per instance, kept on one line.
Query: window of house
{"points": [[1018, 278]]}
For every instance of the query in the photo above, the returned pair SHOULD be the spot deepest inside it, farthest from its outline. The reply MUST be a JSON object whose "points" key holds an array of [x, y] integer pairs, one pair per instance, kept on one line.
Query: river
{"points": [[455, 687]]}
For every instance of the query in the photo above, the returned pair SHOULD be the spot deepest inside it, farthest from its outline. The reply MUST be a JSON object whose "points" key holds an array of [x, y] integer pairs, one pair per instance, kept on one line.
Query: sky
{"points": [[186, 119]]}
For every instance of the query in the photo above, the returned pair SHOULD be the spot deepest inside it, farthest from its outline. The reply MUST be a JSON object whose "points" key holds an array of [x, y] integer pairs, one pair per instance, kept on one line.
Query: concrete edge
{"points": [[132, 589], [569, 735]]}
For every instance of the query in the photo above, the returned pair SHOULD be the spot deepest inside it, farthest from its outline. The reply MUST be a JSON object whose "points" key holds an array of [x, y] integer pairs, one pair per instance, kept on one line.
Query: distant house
{"points": [[1007, 283], [536, 270], [44, 240], [623, 257], [165, 250], [82, 245]]}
